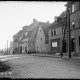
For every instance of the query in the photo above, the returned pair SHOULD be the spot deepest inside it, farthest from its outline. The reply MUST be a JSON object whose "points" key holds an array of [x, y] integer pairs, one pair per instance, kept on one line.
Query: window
{"points": [[54, 44], [79, 4], [26, 34], [40, 30], [63, 30], [41, 39], [37, 47], [64, 18], [41, 47], [25, 41], [79, 22], [53, 32], [23, 48], [46, 41], [73, 25], [79, 40], [72, 8]]}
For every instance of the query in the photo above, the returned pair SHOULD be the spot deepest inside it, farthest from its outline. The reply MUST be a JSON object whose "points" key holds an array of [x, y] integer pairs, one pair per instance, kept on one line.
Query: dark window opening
{"points": [[73, 45], [51, 32], [54, 32], [41, 39], [79, 40], [79, 22]]}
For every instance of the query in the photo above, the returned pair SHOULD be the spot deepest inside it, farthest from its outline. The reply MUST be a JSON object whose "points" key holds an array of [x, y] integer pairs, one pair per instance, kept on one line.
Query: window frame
{"points": [[73, 25], [72, 8], [54, 44], [79, 41], [79, 22], [41, 38], [53, 32]]}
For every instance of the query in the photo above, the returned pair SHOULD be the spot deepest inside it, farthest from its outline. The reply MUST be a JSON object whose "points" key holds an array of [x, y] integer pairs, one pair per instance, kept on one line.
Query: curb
{"points": [[64, 57]]}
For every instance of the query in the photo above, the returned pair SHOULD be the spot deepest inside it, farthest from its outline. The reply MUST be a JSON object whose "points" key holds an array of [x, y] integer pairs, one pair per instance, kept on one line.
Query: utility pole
{"points": [[64, 32], [69, 34], [7, 46]]}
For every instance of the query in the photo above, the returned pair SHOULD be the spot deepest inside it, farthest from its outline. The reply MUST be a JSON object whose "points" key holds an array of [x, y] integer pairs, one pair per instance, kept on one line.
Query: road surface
{"points": [[27, 66]]}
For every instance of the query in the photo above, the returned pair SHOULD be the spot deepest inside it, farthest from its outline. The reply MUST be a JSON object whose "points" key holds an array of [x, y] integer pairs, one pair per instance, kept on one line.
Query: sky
{"points": [[16, 14]]}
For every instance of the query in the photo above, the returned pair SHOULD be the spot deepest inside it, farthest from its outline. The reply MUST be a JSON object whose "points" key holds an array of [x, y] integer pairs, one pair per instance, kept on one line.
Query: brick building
{"points": [[74, 7]]}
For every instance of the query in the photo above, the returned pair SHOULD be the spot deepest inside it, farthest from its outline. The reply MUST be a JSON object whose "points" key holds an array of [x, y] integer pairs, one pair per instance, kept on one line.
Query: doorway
{"points": [[73, 45], [26, 49]]}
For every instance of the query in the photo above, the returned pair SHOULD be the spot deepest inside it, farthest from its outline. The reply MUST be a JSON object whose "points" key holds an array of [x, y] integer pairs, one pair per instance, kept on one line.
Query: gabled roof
{"points": [[17, 34], [45, 28], [63, 14], [60, 22], [31, 33]]}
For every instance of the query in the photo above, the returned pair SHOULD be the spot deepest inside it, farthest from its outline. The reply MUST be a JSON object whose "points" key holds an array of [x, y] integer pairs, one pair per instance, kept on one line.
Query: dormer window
{"points": [[64, 17], [26, 34], [55, 19]]}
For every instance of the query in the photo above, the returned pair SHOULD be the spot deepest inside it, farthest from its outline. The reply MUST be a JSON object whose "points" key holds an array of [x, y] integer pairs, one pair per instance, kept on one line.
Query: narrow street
{"points": [[27, 66]]}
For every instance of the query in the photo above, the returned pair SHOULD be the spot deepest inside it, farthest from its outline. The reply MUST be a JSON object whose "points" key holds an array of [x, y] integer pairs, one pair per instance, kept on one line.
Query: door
{"points": [[21, 49], [73, 45], [26, 49]]}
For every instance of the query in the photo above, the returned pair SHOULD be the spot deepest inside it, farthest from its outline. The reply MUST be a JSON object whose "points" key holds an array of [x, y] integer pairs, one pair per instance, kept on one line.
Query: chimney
{"points": [[34, 20], [56, 19]]}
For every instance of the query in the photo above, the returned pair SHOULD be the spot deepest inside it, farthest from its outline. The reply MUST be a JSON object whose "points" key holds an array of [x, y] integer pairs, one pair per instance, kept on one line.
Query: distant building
{"points": [[42, 37], [28, 40], [17, 42], [11, 47]]}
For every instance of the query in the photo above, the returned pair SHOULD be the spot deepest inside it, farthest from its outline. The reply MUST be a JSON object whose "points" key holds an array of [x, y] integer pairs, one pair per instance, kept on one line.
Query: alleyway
{"points": [[28, 66]]}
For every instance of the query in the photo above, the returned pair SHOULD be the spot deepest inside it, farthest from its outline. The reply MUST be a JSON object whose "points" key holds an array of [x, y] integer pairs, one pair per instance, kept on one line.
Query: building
{"points": [[28, 40], [17, 42], [74, 8], [42, 37], [11, 47], [56, 33]]}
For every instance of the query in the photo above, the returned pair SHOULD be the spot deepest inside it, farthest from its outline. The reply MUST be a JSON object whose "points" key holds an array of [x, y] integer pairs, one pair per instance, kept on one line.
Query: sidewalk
{"points": [[5, 56], [56, 56]]}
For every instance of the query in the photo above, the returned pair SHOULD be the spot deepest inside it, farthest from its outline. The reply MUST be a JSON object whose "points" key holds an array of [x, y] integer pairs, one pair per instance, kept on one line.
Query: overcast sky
{"points": [[14, 15]]}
